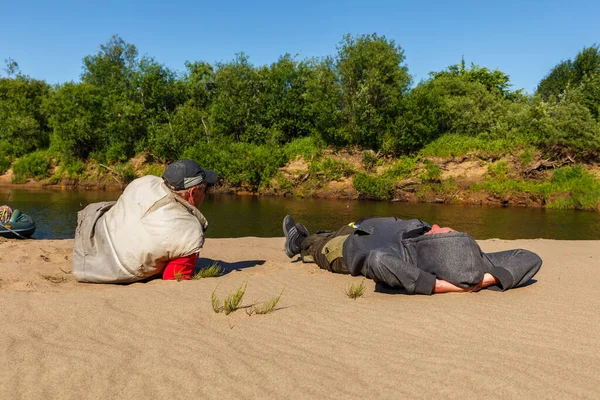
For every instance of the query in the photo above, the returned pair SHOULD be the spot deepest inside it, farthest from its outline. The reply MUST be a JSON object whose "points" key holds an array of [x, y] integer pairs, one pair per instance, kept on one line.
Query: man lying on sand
{"points": [[155, 227], [411, 254]]}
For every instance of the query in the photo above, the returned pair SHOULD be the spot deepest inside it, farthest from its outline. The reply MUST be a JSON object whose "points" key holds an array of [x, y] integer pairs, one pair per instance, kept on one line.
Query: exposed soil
{"points": [[457, 175]]}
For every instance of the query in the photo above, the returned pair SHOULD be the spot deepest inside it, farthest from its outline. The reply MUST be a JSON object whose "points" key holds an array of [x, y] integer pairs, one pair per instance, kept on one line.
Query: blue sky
{"points": [[524, 39]]}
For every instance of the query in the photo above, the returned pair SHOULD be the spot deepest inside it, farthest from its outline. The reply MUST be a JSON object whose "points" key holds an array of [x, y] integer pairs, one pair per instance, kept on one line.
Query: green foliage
{"points": [[331, 169], [571, 187], [403, 167], [211, 271], [355, 290], [5, 163], [567, 126], [238, 163], [374, 187], [282, 102], [570, 73], [184, 129], [494, 81], [234, 111], [454, 145], [323, 98], [498, 170], [526, 156], [577, 80], [75, 116], [124, 172], [373, 81], [11, 67], [266, 307], [447, 104], [217, 304], [430, 173], [233, 300], [68, 168], [34, 165], [369, 160], [153, 169], [246, 121], [23, 125], [308, 148], [112, 69]]}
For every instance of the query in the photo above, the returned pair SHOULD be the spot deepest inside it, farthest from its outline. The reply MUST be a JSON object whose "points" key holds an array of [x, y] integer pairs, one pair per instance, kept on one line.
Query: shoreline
{"points": [[60, 338], [475, 199], [464, 180]]}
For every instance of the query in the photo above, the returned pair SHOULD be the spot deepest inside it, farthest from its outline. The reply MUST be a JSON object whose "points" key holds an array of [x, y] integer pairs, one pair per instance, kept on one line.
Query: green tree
{"points": [[234, 112], [23, 125], [134, 93], [323, 98], [184, 129], [158, 90], [373, 80], [199, 82], [77, 119], [455, 103], [564, 128], [113, 68], [11, 67], [282, 100], [578, 74], [495, 81]]}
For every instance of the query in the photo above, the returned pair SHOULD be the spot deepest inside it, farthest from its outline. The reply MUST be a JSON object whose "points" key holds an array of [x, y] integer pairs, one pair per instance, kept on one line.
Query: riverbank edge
{"points": [[462, 175]]}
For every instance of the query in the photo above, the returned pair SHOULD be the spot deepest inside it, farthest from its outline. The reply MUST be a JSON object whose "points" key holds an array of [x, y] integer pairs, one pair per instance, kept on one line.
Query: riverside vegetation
{"points": [[350, 125]]}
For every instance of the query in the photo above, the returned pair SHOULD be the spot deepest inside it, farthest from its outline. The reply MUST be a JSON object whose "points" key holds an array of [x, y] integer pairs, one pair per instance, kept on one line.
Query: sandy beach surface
{"points": [[161, 339]]}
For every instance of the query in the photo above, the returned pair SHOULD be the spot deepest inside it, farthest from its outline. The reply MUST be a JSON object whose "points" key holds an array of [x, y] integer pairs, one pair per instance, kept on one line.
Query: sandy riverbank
{"points": [[61, 339]]}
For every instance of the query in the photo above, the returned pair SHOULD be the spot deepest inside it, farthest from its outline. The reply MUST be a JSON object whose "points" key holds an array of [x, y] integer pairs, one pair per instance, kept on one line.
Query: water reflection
{"points": [[55, 213]]}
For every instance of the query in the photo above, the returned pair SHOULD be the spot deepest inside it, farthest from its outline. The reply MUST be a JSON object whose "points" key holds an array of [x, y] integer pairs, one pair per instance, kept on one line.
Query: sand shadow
{"points": [[383, 288], [227, 267], [497, 288]]}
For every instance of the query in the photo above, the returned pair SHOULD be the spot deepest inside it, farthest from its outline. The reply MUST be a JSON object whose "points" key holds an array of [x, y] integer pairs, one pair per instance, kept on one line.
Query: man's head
{"points": [[189, 180]]}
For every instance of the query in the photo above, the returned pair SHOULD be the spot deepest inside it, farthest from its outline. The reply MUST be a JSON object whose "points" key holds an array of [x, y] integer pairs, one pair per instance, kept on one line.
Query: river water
{"points": [[55, 214]]}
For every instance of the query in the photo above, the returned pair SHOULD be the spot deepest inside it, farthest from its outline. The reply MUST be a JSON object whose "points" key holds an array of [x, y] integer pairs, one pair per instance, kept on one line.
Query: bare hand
{"points": [[442, 286]]}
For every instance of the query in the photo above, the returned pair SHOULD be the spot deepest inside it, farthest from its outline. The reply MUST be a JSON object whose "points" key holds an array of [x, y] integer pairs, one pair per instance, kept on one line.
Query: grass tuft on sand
{"points": [[54, 278], [355, 290], [265, 307], [212, 271], [232, 301]]}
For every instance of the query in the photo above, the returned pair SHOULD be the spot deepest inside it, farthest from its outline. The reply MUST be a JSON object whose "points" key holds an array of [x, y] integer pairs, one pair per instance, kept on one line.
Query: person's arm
{"points": [[388, 266], [442, 286], [488, 280], [180, 268]]}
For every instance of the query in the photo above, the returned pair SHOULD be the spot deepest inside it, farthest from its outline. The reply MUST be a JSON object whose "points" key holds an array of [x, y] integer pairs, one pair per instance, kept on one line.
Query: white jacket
{"points": [[134, 237]]}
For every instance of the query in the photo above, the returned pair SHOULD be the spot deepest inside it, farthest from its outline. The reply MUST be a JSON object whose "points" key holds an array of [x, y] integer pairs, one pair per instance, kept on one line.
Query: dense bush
{"points": [[34, 165], [4, 164], [23, 125], [238, 163], [374, 187]]}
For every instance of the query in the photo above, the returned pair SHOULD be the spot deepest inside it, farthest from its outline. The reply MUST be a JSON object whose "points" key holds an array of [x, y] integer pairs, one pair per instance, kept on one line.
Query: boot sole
{"points": [[285, 233]]}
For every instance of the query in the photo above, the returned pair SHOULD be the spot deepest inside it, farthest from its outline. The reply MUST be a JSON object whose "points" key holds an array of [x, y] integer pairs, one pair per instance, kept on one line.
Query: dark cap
{"points": [[184, 174]]}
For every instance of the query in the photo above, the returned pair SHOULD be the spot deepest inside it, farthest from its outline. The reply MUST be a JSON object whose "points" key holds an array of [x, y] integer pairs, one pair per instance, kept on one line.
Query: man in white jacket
{"points": [[153, 228]]}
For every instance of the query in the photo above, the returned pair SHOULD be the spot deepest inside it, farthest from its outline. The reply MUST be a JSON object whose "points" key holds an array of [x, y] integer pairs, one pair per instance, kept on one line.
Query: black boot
{"points": [[294, 235]]}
